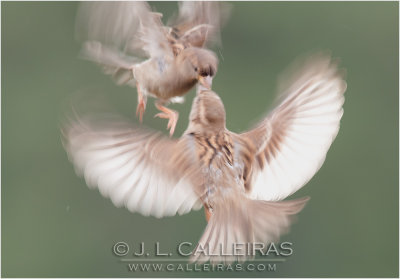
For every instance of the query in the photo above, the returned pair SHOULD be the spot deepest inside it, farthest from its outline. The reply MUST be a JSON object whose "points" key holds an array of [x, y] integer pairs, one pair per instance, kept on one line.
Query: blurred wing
{"points": [[199, 22], [142, 170], [111, 23], [111, 60], [129, 26], [152, 36], [293, 140]]}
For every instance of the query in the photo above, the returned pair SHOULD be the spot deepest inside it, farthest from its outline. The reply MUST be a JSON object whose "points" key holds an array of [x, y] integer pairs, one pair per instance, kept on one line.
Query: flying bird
{"points": [[240, 179], [132, 45]]}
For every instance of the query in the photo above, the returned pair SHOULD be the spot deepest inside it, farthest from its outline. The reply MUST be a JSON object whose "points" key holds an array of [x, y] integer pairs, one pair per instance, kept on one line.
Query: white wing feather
{"points": [[128, 26], [139, 169], [293, 140]]}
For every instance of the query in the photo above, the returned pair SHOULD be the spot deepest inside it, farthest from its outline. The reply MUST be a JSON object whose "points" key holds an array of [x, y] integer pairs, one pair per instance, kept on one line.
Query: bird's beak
{"points": [[205, 81]]}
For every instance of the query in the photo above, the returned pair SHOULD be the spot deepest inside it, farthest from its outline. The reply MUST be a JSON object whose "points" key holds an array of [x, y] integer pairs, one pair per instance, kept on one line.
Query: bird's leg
{"points": [[167, 114], [208, 213], [142, 100]]}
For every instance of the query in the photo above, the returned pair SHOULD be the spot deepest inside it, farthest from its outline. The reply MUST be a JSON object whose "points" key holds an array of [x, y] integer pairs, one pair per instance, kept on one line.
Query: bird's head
{"points": [[207, 114], [201, 65]]}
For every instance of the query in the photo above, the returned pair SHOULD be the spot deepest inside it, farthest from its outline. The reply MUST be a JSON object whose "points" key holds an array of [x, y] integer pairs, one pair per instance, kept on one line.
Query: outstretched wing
{"points": [[199, 22], [128, 26], [292, 141], [137, 168], [112, 61]]}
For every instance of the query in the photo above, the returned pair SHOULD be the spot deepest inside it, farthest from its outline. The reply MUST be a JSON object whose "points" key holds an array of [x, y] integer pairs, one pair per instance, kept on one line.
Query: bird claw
{"points": [[162, 115], [173, 119]]}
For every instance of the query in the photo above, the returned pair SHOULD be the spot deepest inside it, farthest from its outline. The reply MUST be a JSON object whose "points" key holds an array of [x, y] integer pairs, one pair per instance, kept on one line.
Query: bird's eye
{"points": [[195, 69]]}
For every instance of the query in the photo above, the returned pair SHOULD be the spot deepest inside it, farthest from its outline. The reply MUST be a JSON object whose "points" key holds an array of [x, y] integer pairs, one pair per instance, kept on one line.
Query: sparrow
{"points": [[240, 179], [116, 34]]}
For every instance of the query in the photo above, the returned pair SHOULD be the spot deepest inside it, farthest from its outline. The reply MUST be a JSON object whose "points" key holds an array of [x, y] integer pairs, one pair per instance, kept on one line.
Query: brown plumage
{"points": [[240, 179], [115, 34]]}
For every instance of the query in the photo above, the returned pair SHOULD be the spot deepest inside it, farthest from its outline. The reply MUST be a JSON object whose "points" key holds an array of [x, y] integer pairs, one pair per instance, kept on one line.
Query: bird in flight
{"points": [[130, 42], [241, 179]]}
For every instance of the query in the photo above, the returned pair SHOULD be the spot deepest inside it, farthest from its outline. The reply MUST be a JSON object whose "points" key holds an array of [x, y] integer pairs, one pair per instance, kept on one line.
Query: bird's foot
{"points": [[142, 100], [170, 114]]}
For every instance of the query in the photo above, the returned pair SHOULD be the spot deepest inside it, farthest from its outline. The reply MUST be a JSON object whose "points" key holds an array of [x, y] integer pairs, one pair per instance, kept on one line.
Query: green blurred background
{"points": [[54, 226]]}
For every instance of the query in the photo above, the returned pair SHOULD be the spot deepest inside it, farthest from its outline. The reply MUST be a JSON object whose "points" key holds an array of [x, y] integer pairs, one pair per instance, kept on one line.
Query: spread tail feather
{"points": [[234, 227]]}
